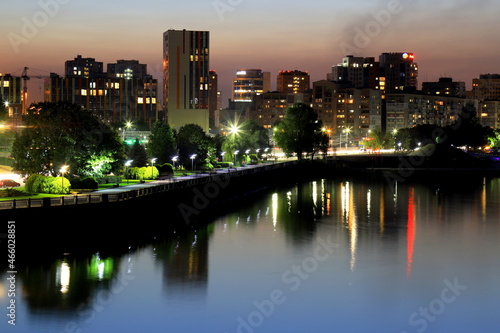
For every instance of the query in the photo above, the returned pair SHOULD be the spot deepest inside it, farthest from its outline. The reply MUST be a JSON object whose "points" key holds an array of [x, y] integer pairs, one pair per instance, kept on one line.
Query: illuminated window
{"points": [[140, 100]]}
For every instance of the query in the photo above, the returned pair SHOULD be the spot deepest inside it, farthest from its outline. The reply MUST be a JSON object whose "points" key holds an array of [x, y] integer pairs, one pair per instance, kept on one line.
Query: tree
{"points": [[138, 155], [191, 139], [467, 131], [162, 142], [63, 133], [378, 139], [300, 131]]}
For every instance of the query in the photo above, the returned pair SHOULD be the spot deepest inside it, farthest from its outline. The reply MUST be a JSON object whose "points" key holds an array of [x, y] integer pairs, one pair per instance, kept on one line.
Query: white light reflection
{"points": [[368, 204], [289, 200], [275, 209], [100, 271], [62, 277], [315, 194]]}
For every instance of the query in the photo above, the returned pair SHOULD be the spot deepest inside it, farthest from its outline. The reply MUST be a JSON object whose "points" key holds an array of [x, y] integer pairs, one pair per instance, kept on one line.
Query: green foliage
{"points": [[85, 183], [33, 183], [162, 142], [300, 131], [377, 139], [109, 180], [191, 139], [37, 183], [143, 173], [165, 169], [149, 172], [65, 133], [138, 154]]}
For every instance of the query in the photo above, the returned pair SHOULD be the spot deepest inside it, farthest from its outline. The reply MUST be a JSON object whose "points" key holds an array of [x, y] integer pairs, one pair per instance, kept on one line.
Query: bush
{"points": [[85, 183], [33, 183], [166, 169], [108, 180], [45, 184], [150, 172], [224, 164]]}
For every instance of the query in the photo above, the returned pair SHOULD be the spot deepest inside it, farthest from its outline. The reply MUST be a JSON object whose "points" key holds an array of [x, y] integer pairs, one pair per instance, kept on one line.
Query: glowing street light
{"points": [[347, 131], [175, 159], [63, 170], [192, 161], [235, 153], [153, 160]]}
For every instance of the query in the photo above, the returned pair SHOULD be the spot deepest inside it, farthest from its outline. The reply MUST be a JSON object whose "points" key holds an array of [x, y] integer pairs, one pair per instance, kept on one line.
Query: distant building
{"points": [[406, 110], [339, 106], [249, 83], [126, 93], [293, 82], [11, 95], [84, 68], [487, 87], [360, 72], [488, 113], [213, 99], [444, 87], [186, 77], [270, 107], [398, 72]]}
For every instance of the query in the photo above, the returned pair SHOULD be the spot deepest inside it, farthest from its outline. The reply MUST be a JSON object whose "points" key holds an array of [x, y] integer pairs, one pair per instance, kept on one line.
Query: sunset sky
{"points": [[457, 38]]}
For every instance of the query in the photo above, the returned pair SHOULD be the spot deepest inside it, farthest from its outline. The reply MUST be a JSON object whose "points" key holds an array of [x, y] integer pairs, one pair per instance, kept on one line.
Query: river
{"points": [[341, 255]]}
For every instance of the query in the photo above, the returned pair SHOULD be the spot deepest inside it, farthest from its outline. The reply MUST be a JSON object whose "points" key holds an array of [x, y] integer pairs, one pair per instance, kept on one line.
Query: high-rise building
{"points": [[444, 87], [293, 82], [398, 72], [487, 87], [186, 77], [250, 82], [84, 68], [11, 95], [360, 72], [126, 93], [213, 100]]}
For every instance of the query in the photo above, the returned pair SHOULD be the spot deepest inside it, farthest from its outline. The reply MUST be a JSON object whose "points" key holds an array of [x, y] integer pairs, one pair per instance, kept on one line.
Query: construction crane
{"points": [[25, 78]]}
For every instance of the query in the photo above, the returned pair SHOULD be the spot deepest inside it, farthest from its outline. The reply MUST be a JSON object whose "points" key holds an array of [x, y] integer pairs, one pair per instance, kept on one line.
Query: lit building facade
{"points": [[406, 110], [249, 83], [398, 72], [486, 87], [127, 93], [444, 87], [270, 107], [11, 95], [186, 77], [293, 82]]}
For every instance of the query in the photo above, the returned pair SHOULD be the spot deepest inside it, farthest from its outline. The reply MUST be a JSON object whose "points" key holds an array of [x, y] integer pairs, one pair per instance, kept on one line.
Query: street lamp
{"points": [[235, 153], [63, 170], [175, 159], [347, 131], [153, 160], [192, 161], [127, 164]]}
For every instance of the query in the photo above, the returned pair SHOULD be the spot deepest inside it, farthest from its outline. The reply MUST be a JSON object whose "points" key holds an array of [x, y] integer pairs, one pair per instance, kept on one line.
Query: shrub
{"points": [[150, 172], [33, 183], [224, 164], [109, 180], [85, 183], [166, 169], [45, 184]]}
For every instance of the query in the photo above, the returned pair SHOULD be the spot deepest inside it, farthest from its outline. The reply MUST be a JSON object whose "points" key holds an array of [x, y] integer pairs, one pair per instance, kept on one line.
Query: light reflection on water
{"points": [[325, 256]]}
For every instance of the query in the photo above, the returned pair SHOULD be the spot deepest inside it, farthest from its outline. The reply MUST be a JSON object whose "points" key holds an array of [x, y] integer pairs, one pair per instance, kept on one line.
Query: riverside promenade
{"points": [[132, 191]]}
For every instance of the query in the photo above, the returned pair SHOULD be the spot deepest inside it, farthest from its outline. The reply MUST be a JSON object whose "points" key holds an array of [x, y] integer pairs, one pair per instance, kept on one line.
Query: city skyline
{"points": [[453, 39]]}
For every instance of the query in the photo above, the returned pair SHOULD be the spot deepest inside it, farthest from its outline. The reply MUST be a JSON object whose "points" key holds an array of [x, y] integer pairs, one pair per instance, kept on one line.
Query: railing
{"points": [[93, 198]]}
